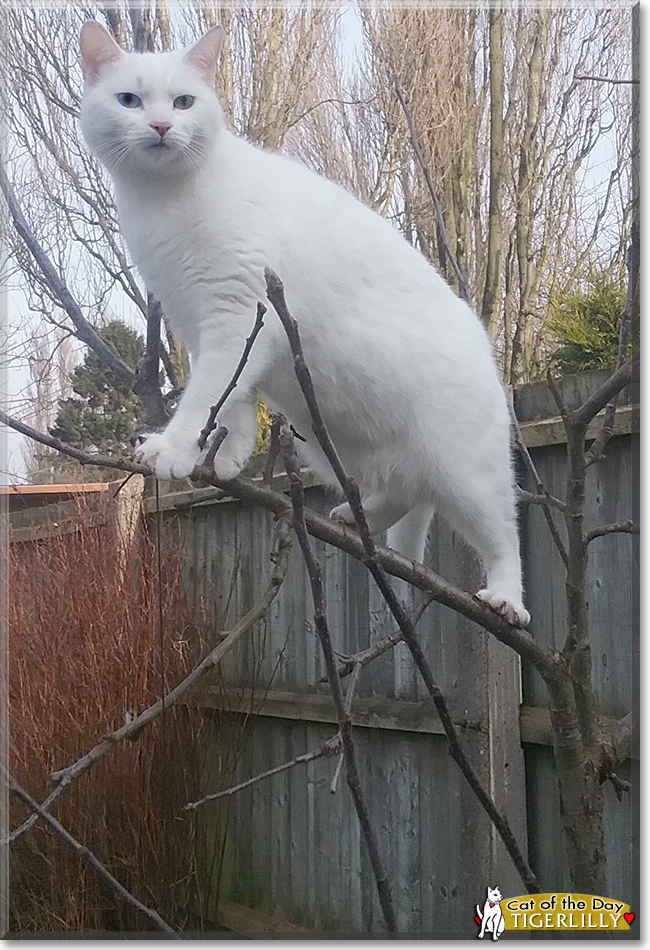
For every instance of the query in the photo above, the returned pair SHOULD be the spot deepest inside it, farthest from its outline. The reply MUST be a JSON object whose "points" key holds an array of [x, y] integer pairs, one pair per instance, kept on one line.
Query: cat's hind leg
{"points": [[409, 534], [380, 510], [483, 511]]}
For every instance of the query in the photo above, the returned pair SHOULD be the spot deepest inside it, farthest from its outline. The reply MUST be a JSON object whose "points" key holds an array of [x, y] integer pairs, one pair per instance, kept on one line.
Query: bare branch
{"points": [[345, 724], [601, 441], [330, 747], [614, 82], [215, 445], [86, 458], [382, 646], [275, 293], [539, 485], [147, 384], [346, 539], [615, 747], [214, 410], [621, 378], [462, 284], [528, 498], [87, 856], [623, 527], [85, 332]]}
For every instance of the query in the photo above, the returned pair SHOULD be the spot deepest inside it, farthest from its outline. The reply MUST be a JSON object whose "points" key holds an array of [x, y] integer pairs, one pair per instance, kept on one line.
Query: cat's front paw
{"points": [[511, 610], [226, 468], [342, 514], [168, 457]]}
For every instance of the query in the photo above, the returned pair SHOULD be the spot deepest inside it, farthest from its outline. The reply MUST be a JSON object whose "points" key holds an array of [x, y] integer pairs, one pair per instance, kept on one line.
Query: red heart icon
{"points": [[629, 917]]}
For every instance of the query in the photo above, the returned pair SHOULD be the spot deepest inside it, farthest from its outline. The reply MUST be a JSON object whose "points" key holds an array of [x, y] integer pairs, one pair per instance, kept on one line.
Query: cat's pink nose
{"points": [[162, 128]]}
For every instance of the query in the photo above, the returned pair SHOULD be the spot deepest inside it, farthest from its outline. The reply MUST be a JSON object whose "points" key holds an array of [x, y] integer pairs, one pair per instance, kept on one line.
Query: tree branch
{"points": [[621, 378], [615, 747], [547, 501], [275, 293], [341, 537], [214, 410], [621, 527], [85, 332], [147, 384], [606, 432], [614, 82], [462, 284], [87, 856], [331, 746], [528, 498], [344, 719], [363, 657]]}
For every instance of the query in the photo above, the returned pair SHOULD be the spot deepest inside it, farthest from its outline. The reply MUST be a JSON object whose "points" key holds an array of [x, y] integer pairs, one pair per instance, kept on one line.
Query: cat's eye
{"points": [[184, 102], [129, 100]]}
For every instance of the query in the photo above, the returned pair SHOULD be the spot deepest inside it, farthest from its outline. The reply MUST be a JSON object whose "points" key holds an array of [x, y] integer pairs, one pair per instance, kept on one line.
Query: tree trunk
{"points": [[525, 330]]}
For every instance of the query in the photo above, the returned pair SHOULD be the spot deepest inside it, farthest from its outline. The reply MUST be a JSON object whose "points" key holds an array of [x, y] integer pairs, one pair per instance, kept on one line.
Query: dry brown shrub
{"points": [[85, 649]]}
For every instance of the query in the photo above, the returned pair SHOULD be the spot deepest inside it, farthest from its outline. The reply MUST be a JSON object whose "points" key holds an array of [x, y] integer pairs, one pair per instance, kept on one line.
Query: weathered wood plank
{"points": [[542, 432], [54, 529], [378, 712]]}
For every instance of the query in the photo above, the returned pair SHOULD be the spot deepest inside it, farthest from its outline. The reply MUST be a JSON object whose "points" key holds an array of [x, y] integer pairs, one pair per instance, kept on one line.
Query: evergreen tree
{"points": [[587, 323], [104, 413]]}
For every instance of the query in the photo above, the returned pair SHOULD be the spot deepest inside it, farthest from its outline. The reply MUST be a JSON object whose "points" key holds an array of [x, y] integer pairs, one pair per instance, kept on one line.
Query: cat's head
{"points": [[494, 895], [149, 113]]}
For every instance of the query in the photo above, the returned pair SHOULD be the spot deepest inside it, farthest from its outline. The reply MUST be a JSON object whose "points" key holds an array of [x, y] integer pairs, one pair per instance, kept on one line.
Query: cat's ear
{"points": [[98, 50], [204, 55]]}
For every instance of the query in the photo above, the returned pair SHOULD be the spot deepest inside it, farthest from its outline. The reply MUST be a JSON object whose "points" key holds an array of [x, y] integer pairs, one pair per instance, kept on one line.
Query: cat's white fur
{"points": [[402, 368]]}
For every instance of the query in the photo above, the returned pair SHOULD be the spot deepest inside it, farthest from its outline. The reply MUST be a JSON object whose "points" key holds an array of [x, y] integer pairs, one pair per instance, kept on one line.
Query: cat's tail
{"points": [[478, 911], [409, 534]]}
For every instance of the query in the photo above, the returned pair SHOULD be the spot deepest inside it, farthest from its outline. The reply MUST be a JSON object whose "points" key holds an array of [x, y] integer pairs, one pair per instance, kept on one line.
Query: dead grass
{"points": [[84, 651]]}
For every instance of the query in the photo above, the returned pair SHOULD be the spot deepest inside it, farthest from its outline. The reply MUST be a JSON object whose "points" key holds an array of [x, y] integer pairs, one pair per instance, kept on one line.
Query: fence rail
{"points": [[292, 856]]}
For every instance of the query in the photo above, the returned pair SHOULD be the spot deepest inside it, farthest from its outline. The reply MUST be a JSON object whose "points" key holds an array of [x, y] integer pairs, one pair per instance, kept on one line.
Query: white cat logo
{"points": [[492, 916]]}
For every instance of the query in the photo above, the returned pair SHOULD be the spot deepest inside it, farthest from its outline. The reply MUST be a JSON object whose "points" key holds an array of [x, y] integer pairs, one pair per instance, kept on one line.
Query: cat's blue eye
{"points": [[184, 102], [129, 100]]}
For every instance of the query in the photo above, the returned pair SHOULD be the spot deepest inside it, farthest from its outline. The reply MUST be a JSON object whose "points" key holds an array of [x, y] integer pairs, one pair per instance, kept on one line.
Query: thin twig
{"points": [[347, 708], [274, 449], [620, 527], [442, 230], [345, 725], [84, 330], [86, 458], [606, 432], [614, 82], [214, 410], [363, 657], [330, 747], [215, 445], [528, 498], [621, 378], [539, 484], [275, 293], [87, 856], [64, 777]]}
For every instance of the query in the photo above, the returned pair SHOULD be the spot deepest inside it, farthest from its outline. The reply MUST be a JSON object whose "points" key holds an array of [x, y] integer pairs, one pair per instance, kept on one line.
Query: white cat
{"points": [[402, 368], [492, 916]]}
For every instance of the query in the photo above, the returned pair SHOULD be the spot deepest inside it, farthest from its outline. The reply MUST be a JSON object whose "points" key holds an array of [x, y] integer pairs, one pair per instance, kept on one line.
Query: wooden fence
{"points": [[285, 855], [292, 857]]}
